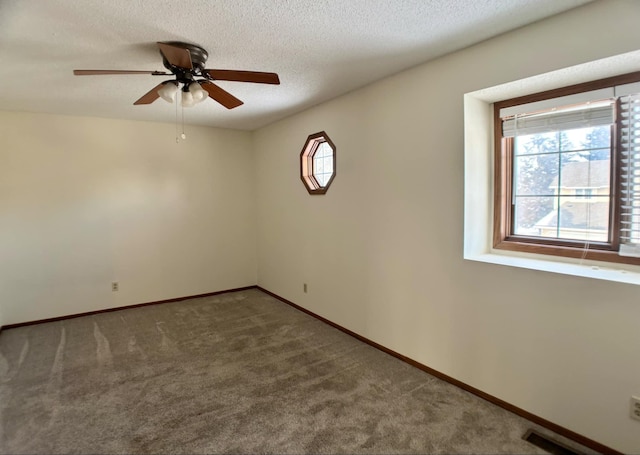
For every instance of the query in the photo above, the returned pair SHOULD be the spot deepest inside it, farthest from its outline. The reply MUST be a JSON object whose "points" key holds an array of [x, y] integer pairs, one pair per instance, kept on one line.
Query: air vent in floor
{"points": [[545, 443]]}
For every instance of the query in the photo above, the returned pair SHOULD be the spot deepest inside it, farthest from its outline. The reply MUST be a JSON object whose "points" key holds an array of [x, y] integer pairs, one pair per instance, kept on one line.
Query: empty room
{"points": [[355, 226]]}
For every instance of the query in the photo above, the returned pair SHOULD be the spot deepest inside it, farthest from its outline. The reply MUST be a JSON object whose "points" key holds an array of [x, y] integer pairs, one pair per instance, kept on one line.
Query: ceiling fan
{"points": [[186, 62]]}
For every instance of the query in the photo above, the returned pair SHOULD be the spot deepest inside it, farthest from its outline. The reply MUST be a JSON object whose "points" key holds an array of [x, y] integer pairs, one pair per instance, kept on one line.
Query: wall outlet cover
{"points": [[635, 408]]}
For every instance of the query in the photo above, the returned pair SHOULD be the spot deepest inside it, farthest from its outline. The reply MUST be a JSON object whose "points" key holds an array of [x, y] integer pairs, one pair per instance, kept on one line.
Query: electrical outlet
{"points": [[635, 408], [304, 287], [114, 286]]}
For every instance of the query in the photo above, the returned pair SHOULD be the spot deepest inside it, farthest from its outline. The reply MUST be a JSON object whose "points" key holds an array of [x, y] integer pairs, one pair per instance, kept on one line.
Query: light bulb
{"points": [[187, 99], [168, 91], [199, 94]]}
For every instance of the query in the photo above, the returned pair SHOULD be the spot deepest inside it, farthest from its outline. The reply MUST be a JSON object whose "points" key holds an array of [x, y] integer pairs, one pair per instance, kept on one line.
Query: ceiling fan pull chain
{"points": [[183, 136], [177, 139]]}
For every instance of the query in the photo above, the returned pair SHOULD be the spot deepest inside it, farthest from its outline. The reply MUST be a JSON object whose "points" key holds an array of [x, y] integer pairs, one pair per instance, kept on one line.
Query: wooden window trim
{"points": [[503, 170]]}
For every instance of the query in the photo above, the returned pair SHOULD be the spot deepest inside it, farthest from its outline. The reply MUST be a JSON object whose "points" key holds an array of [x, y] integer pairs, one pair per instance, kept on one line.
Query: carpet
{"points": [[234, 373]]}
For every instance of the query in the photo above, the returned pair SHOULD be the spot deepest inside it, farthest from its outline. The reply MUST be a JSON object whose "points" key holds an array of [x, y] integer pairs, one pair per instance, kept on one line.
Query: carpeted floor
{"points": [[235, 373]]}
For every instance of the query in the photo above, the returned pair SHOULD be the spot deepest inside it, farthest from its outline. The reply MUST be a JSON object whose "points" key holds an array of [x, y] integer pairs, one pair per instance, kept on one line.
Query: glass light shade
{"points": [[168, 92], [198, 93], [187, 99]]}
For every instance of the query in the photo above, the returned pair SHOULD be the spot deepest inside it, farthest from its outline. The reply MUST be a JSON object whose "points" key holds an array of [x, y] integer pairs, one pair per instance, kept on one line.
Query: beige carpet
{"points": [[235, 373]]}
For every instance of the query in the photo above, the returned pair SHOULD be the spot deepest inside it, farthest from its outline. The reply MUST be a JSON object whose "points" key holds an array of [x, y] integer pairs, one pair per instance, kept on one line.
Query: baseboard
{"points": [[580, 439], [126, 307]]}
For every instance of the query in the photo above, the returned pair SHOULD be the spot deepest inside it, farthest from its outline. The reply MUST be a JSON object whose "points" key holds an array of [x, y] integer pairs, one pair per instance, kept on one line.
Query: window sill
{"points": [[621, 273], [600, 253]]}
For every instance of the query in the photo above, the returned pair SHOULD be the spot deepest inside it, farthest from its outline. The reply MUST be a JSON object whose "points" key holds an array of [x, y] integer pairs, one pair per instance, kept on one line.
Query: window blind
{"points": [[588, 116], [629, 123], [581, 98]]}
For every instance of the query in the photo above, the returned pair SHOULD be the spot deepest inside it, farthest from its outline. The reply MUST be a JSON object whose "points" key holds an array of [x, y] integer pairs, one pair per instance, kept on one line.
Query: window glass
{"points": [[553, 173]]}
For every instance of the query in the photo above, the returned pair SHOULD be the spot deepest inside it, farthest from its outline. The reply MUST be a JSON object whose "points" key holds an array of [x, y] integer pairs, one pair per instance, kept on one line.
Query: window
{"points": [[567, 171], [318, 163]]}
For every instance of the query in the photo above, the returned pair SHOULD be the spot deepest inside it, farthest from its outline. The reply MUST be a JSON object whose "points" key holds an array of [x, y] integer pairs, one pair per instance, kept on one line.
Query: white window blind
{"points": [[581, 98], [629, 122], [588, 116]]}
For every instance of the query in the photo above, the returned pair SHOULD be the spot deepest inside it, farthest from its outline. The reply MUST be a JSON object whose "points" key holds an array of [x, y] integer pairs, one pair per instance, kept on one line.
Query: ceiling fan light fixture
{"points": [[198, 93], [187, 99], [168, 91]]}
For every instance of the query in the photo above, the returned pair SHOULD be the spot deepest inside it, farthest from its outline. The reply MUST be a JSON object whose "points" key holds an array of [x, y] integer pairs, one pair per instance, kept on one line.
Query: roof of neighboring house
{"points": [[578, 215], [584, 174]]}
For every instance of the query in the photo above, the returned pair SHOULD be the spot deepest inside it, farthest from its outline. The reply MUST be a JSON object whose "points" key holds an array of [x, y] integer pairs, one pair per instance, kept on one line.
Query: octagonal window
{"points": [[318, 163]]}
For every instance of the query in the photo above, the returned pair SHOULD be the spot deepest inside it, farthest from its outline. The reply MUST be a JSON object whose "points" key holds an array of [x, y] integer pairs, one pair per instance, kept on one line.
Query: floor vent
{"points": [[551, 446]]}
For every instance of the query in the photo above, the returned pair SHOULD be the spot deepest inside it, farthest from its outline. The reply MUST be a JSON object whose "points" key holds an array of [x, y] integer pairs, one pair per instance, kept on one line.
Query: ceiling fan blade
{"points": [[98, 72], [244, 76], [150, 96], [221, 96], [177, 56]]}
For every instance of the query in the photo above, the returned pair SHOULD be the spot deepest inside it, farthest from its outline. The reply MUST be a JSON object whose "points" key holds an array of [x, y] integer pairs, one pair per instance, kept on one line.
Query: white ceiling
{"points": [[320, 49]]}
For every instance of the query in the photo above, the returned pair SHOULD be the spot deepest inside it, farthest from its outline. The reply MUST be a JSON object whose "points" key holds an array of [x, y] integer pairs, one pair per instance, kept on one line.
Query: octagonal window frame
{"points": [[307, 174]]}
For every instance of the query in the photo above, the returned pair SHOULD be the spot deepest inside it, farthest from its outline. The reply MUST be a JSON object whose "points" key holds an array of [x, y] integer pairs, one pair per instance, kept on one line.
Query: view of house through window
{"points": [[562, 184]]}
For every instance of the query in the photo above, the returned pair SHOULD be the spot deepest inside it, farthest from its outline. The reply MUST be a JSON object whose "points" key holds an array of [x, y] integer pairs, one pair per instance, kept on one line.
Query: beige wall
{"points": [[382, 251], [88, 201]]}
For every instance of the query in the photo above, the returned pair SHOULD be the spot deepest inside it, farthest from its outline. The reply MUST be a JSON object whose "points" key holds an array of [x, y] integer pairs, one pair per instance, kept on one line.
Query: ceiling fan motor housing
{"points": [[198, 58]]}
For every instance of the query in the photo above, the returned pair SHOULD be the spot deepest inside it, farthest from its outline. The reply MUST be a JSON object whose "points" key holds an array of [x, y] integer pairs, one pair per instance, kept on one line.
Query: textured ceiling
{"points": [[320, 49]]}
